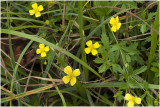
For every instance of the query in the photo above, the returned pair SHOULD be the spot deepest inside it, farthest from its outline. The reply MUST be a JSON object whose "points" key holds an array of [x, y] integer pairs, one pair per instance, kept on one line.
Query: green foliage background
{"points": [[127, 61]]}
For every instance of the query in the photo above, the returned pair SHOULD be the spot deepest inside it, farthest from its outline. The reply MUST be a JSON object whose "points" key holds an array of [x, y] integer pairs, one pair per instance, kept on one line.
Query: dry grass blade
{"points": [[47, 79], [38, 90]]}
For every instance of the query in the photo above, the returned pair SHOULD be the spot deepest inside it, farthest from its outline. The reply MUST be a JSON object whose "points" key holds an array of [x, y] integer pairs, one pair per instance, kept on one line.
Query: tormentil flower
{"points": [[42, 50], [132, 100], [115, 24], [36, 10], [71, 75], [92, 47], [47, 22]]}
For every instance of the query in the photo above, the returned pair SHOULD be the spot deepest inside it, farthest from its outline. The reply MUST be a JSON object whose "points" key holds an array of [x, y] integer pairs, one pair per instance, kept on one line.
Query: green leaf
{"points": [[117, 68], [128, 58], [99, 60], [102, 68], [105, 40], [119, 84], [115, 47], [140, 70], [154, 44], [143, 28], [119, 96]]}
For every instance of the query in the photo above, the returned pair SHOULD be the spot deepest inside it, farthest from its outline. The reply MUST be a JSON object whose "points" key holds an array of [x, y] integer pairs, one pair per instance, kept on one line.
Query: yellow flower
{"points": [[132, 100], [115, 24], [36, 10], [92, 47], [47, 22], [71, 75], [42, 50]]}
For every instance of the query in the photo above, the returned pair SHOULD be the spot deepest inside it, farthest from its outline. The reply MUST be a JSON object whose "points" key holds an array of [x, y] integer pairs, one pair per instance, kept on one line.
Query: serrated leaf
{"points": [[150, 15], [102, 68], [117, 68], [154, 69], [128, 58], [119, 96], [143, 28], [99, 60], [105, 40], [115, 48], [140, 70]]}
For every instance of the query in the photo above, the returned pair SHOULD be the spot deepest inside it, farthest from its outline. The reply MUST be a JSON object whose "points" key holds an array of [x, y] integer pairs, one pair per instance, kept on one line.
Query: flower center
{"points": [[115, 24], [42, 49], [133, 99], [91, 47], [36, 10]]}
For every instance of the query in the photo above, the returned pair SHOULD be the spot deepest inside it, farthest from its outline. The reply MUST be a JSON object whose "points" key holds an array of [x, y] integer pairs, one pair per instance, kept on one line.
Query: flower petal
{"points": [[38, 51], [130, 104], [31, 12], [87, 50], [43, 54], [40, 8], [96, 45], [118, 25], [73, 81], [37, 14], [34, 6], [41, 46], [94, 52], [76, 72], [66, 79], [68, 70], [117, 19], [138, 100], [128, 97], [113, 29], [89, 43], [46, 49], [112, 21]]}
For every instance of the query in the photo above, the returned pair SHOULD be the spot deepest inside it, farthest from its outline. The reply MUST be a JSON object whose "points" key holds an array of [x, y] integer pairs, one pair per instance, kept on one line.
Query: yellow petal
{"points": [[118, 25], [68, 70], [41, 46], [46, 49], [34, 6], [73, 81], [38, 51], [31, 12], [66, 79], [128, 97], [94, 52], [87, 50], [40, 8], [37, 14], [112, 21], [89, 43], [113, 28], [138, 100], [76, 72], [96, 45], [130, 104], [43, 54], [117, 19]]}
